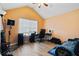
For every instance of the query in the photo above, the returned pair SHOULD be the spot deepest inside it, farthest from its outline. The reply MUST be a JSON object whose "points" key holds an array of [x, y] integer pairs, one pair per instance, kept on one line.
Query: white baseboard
{"points": [[13, 44]]}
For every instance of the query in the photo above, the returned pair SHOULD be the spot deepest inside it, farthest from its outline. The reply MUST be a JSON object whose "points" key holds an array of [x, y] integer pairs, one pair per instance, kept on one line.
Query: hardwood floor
{"points": [[34, 49]]}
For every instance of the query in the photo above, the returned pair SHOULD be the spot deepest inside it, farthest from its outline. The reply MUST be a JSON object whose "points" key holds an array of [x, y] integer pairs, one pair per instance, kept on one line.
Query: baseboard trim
{"points": [[13, 44]]}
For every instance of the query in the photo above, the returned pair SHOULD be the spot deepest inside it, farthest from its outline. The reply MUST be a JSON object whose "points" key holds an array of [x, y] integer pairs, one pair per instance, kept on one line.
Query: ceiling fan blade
{"points": [[45, 4], [39, 4], [33, 3]]}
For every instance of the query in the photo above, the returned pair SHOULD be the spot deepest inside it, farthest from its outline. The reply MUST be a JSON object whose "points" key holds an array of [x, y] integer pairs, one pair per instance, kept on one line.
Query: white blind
{"points": [[27, 26]]}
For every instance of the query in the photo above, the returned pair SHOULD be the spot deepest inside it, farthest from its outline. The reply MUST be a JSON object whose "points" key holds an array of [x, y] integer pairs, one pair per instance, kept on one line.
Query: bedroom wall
{"points": [[22, 12], [64, 26]]}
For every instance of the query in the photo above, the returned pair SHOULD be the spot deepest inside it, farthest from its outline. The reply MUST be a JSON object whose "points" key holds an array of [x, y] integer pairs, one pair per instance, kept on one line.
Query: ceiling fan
{"points": [[41, 4], [2, 13]]}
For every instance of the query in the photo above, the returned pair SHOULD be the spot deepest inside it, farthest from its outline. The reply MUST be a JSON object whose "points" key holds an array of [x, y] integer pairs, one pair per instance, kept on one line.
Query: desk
{"points": [[48, 36], [26, 39]]}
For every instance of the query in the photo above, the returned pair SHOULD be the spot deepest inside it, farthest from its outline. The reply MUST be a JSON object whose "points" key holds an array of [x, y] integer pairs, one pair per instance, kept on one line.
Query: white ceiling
{"points": [[53, 9]]}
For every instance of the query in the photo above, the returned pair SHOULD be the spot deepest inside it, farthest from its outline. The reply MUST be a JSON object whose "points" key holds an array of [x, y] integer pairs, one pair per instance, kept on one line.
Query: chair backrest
{"points": [[42, 33]]}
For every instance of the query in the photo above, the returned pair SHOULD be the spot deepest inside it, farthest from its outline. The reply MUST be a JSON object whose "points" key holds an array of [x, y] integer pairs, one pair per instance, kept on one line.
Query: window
{"points": [[0, 28], [0, 24], [27, 26]]}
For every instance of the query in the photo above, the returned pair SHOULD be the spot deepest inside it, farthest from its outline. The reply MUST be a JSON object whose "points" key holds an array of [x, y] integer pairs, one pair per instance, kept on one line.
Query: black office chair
{"points": [[32, 37], [42, 35]]}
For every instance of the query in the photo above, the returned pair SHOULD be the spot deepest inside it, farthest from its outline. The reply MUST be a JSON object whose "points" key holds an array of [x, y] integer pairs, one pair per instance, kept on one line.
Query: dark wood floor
{"points": [[34, 49]]}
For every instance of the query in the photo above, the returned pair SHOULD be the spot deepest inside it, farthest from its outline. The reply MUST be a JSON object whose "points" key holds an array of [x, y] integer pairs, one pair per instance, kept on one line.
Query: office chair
{"points": [[42, 35], [32, 37]]}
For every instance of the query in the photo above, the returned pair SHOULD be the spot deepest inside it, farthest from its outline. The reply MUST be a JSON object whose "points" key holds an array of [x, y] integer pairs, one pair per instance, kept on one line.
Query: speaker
{"points": [[20, 39], [10, 22], [3, 37], [3, 43]]}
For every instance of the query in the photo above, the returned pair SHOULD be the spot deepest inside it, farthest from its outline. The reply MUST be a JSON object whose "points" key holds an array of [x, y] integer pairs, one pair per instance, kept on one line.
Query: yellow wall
{"points": [[64, 26], [24, 12]]}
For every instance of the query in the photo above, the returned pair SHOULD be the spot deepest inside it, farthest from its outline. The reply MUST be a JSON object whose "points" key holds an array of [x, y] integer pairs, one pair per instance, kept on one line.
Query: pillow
{"points": [[60, 51]]}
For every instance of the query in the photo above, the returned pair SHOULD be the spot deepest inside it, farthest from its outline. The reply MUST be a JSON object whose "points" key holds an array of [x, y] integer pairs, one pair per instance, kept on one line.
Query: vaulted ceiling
{"points": [[53, 9]]}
